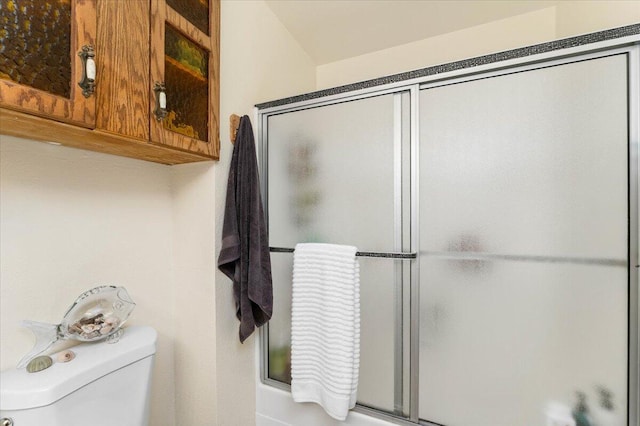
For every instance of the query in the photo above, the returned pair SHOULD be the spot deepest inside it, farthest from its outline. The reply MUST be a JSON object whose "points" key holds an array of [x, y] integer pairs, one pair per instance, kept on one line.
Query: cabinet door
{"points": [[39, 63], [185, 61]]}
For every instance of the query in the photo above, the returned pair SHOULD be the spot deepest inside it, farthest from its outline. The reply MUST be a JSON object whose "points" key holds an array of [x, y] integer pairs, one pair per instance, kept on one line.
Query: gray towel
{"points": [[244, 257]]}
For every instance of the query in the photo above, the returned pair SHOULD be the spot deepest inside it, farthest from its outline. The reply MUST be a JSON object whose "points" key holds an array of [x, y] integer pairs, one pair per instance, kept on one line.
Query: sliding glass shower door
{"points": [[524, 265], [335, 176], [509, 200]]}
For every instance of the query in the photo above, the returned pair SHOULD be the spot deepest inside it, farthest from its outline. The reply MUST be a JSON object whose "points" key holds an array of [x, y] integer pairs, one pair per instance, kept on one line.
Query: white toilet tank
{"points": [[105, 384]]}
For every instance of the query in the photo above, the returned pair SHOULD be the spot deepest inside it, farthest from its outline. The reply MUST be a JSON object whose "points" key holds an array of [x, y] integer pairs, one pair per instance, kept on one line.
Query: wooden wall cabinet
{"points": [[140, 45]]}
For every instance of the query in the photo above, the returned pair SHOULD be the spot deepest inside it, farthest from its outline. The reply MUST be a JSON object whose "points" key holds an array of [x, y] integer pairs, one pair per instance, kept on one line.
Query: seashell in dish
{"points": [[106, 329], [65, 356]]}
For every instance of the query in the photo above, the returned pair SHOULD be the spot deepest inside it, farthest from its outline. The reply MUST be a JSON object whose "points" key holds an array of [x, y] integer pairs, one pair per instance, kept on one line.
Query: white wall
{"points": [[72, 219]]}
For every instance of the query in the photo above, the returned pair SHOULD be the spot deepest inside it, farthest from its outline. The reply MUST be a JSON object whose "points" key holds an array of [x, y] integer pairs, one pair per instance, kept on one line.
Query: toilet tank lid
{"points": [[20, 390]]}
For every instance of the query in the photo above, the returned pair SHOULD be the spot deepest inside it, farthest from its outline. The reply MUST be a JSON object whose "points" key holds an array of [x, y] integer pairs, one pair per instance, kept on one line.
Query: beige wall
{"points": [[523, 30], [72, 219], [260, 62], [581, 17], [568, 19]]}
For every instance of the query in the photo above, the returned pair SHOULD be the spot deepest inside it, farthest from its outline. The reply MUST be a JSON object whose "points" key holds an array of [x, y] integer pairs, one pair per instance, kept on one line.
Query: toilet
{"points": [[105, 384]]}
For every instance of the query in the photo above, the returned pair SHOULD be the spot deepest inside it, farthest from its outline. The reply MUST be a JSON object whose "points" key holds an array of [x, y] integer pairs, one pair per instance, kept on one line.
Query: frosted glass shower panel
{"points": [[523, 245], [376, 328], [331, 173], [506, 343], [279, 364], [530, 163]]}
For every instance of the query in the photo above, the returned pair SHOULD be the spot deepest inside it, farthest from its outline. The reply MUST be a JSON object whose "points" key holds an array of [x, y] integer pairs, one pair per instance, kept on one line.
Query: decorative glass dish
{"points": [[95, 315]]}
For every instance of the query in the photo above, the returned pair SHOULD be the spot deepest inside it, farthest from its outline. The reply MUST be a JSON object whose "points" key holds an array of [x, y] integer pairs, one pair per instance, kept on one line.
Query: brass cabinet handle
{"points": [[88, 82], [161, 101]]}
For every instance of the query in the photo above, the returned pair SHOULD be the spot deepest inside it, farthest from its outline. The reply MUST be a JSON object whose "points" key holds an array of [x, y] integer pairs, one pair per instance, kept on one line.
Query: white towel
{"points": [[325, 327]]}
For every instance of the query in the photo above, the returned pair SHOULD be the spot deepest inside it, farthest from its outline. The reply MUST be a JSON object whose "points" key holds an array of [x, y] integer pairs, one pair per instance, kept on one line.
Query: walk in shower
{"points": [[496, 214]]}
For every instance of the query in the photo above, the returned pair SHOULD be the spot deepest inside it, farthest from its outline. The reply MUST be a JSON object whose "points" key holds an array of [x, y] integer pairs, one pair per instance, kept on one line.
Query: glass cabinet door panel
{"points": [[187, 74], [39, 64], [196, 12], [35, 44], [523, 245], [185, 66]]}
